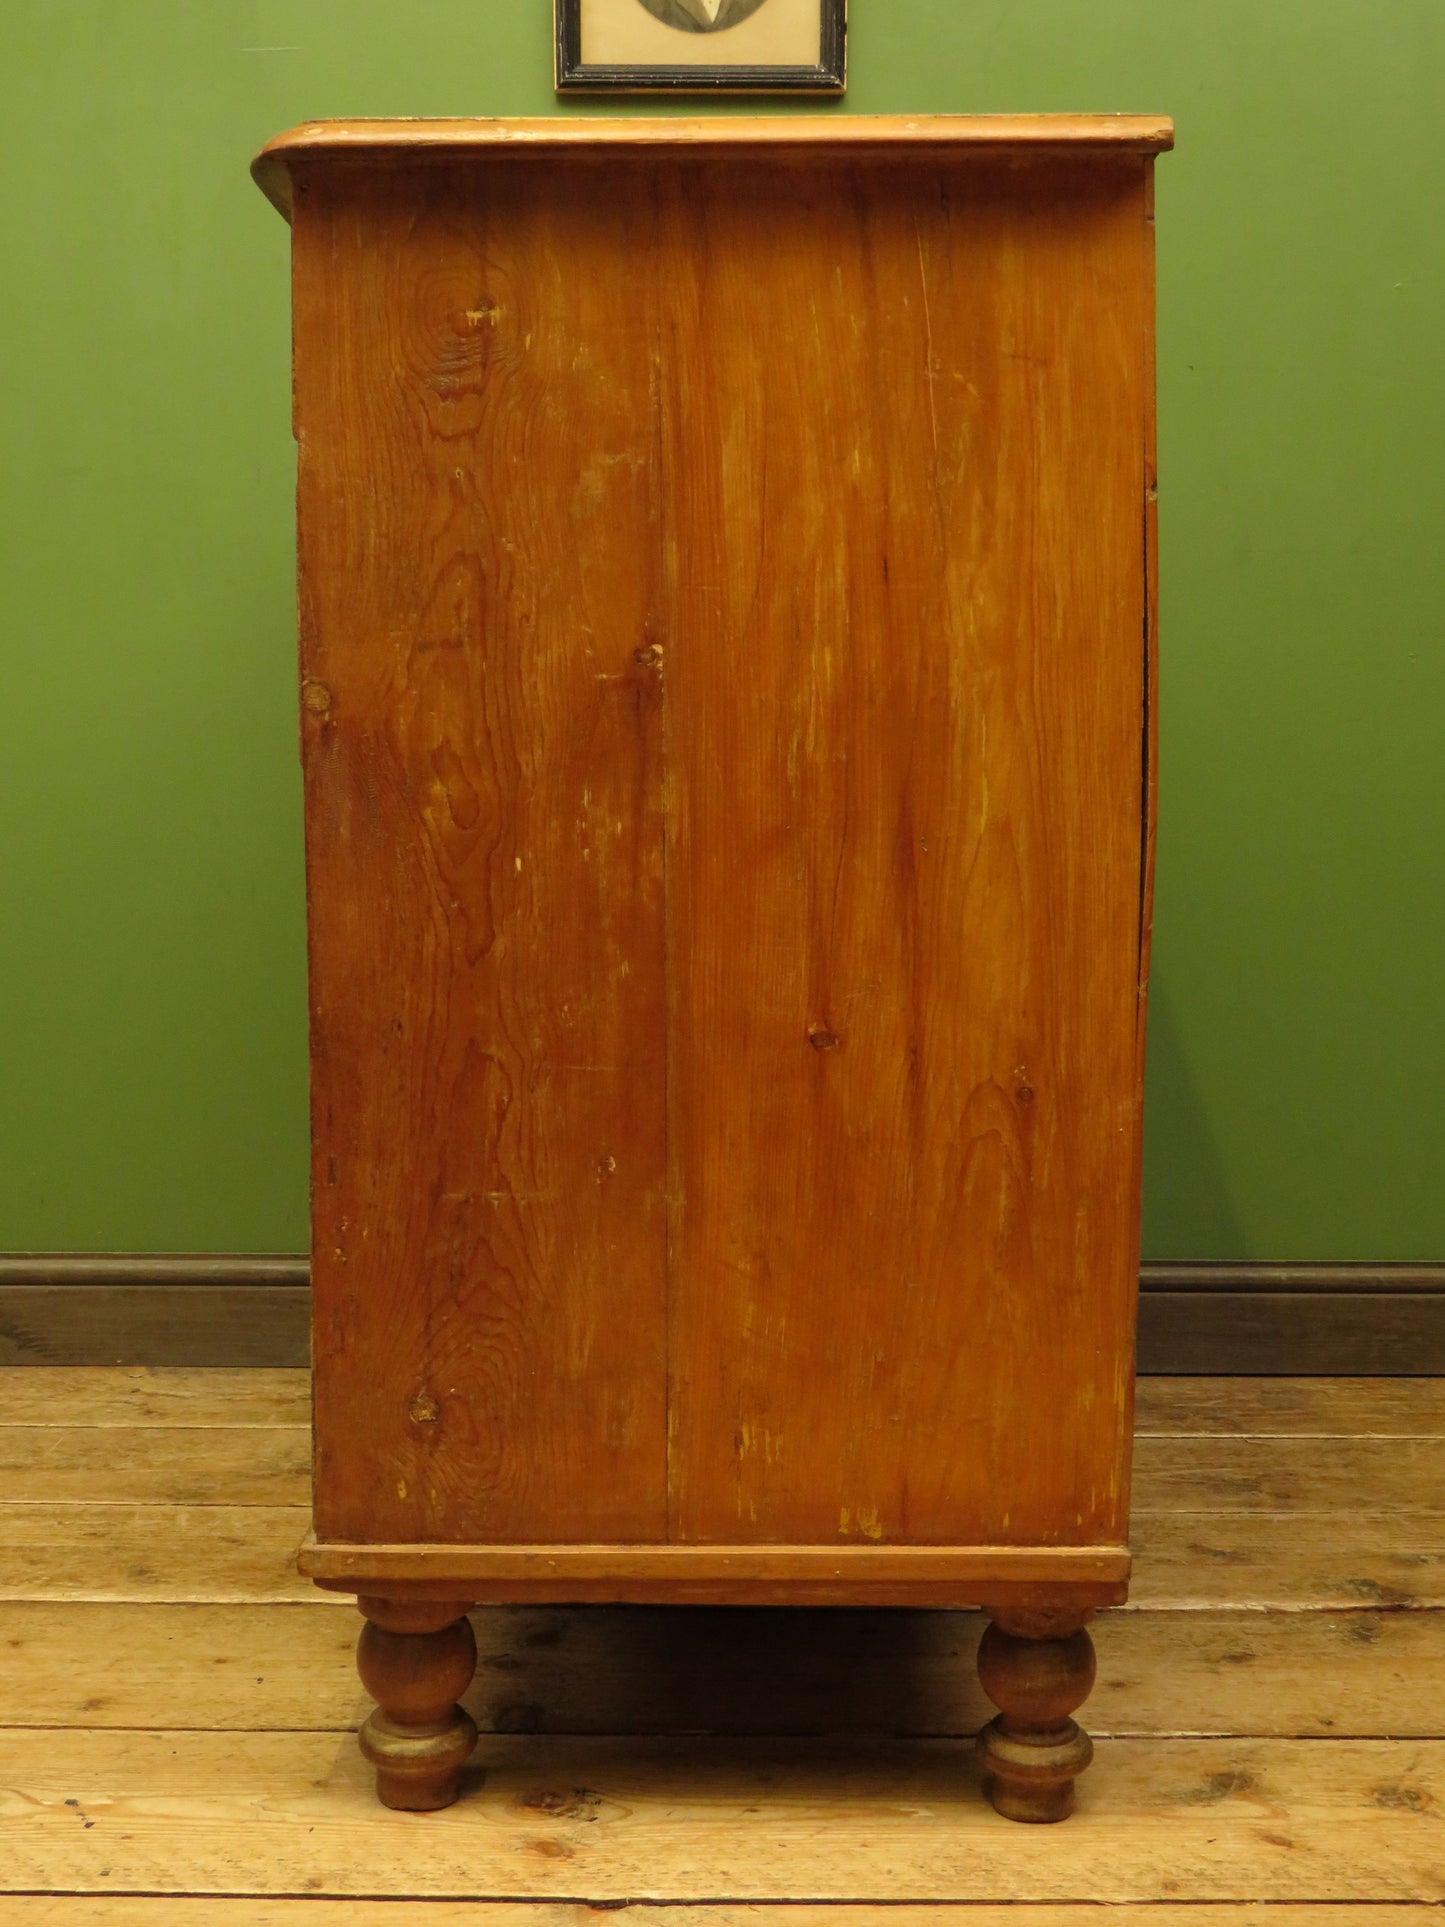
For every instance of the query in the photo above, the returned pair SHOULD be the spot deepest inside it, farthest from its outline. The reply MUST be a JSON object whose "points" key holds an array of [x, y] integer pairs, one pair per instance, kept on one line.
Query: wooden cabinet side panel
{"points": [[481, 741], [903, 431]]}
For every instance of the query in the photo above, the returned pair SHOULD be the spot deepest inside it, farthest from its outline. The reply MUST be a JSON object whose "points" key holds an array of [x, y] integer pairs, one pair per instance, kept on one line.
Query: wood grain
{"points": [[739, 1575], [1317, 1323], [1294, 1475], [1280, 1407], [449, 140], [723, 715], [80, 1395], [1173, 1408], [1190, 1560], [1292, 1332], [184, 1466], [157, 1465], [224, 1553], [158, 1324], [1361, 1673], [1149, 670], [634, 1819], [1275, 1518], [138, 1552], [481, 745], [214, 1911], [885, 1033], [266, 1800]]}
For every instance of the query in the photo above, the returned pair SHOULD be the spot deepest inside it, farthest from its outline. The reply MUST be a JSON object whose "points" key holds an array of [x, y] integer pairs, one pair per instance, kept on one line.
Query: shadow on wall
{"points": [[1188, 1203]]}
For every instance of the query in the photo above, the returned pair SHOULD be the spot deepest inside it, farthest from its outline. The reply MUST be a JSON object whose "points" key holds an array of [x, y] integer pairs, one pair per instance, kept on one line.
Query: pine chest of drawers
{"points": [[727, 640]]}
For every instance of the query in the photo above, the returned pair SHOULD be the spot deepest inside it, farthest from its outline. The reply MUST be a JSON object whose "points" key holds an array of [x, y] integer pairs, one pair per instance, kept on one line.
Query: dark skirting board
{"points": [[1323, 1320]]}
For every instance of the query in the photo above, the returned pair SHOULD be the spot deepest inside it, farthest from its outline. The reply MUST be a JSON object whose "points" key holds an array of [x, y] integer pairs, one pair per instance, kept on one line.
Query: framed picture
{"points": [[701, 46]]}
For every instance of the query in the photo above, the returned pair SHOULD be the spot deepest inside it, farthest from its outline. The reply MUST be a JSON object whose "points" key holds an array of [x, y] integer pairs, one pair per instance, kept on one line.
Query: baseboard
{"points": [[1293, 1321], [227, 1311], [1278, 1320]]}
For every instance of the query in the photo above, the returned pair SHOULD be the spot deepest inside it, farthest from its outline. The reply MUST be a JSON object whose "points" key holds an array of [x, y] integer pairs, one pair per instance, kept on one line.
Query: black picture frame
{"points": [[830, 76]]}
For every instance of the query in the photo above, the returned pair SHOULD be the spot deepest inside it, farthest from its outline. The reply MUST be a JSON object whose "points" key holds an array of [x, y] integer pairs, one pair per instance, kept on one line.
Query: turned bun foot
{"points": [[416, 1659], [1036, 1671]]}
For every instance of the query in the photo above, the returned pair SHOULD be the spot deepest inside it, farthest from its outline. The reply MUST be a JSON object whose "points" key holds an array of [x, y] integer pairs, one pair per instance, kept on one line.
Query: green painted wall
{"points": [[152, 1052]]}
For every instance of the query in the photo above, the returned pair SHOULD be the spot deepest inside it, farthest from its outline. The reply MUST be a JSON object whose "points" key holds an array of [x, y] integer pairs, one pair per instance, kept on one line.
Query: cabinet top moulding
{"points": [[451, 140]]}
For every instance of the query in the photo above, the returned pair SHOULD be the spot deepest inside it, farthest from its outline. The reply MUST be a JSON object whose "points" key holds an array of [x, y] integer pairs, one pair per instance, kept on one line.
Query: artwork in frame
{"points": [[701, 46]]}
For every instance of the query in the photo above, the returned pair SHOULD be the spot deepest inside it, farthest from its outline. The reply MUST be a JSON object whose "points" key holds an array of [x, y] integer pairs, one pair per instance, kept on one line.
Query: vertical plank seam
{"points": [[669, 1241], [1149, 545]]}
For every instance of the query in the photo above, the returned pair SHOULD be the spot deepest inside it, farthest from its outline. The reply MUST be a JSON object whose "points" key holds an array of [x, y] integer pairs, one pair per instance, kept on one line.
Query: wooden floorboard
{"points": [[1268, 1407], [148, 1395], [1190, 1561], [211, 1911], [222, 1555], [636, 1818], [233, 1465], [178, 1704], [202, 1554], [164, 1465], [236, 1465], [1167, 1407], [599, 1670]]}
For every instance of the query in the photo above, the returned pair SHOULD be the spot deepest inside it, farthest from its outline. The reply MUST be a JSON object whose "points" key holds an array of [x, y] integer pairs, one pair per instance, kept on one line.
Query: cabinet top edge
{"points": [[835, 134]]}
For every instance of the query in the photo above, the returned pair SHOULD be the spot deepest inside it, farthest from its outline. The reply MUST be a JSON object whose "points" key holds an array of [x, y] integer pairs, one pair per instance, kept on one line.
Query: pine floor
{"points": [[177, 1707]]}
